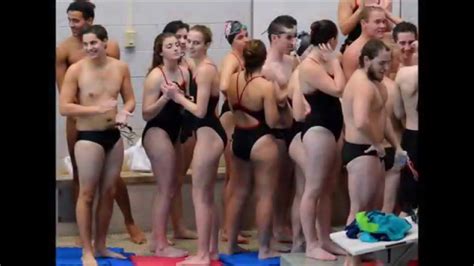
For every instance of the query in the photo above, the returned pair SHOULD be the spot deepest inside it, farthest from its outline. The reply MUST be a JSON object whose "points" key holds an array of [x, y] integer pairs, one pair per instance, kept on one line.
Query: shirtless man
{"points": [[278, 67], [373, 23], [407, 109], [89, 93], [392, 174], [405, 35], [365, 119], [81, 14]]}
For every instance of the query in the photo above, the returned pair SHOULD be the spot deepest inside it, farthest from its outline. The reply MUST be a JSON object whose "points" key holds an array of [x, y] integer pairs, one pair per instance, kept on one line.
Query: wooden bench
{"points": [[132, 177]]}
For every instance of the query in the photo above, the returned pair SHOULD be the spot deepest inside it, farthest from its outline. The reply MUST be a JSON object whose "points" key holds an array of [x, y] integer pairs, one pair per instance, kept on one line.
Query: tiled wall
{"points": [[149, 17]]}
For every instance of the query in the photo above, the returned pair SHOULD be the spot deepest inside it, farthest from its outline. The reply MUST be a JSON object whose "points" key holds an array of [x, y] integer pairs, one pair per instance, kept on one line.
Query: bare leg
{"points": [[241, 184], [264, 157], [207, 152], [107, 186], [228, 124], [71, 138], [323, 220], [281, 229], [180, 230], [364, 175], [121, 195], [123, 201], [392, 180], [90, 161], [214, 245], [320, 148], [162, 156], [297, 154]]}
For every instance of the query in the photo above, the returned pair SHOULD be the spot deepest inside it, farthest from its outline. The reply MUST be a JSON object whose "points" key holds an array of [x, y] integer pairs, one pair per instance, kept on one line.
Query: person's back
{"points": [[253, 104], [407, 79], [249, 94]]}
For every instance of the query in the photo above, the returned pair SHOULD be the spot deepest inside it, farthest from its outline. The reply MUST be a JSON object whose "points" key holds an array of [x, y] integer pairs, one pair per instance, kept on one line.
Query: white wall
{"points": [[149, 17]]}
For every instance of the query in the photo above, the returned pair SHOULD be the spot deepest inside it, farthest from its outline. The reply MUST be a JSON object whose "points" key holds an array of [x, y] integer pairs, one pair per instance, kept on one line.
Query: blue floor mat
{"points": [[248, 259]]}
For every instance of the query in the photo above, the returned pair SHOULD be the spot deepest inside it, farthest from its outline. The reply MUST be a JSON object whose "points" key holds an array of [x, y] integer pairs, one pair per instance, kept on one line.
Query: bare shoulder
{"points": [[63, 49], [76, 68], [265, 85], [406, 73], [290, 60], [154, 76], [66, 43], [234, 76], [229, 59], [389, 83], [352, 50], [113, 43], [361, 82]]}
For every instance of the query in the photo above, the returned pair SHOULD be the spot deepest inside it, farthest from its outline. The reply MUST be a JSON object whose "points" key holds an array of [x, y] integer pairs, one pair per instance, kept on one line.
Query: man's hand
{"points": [[122, 117], [106, 106], [378, 148]]}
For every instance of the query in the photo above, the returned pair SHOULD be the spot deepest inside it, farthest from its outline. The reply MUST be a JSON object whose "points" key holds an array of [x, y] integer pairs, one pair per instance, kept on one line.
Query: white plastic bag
{"points": [[68, 165], [139, 161]]}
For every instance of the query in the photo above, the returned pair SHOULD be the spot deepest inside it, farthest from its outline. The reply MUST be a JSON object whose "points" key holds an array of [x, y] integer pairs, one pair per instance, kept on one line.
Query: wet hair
{"points": [[205, 31], [404, 27], [372, 49], [322, 31], [158, 49], [98, 30], [366, 11], [254, 54], [303, 42], [279, 23], [174, 26], [83, 6]]}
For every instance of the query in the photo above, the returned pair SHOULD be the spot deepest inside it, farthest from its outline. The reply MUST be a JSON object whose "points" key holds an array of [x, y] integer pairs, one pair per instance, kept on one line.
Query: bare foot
{"points": [[171, 252], [109, 254], [234, 250], [88, 260], [214, 255], [185, 233], [136, 234], [195, 261], [240, 239], [333, 248], [270, 253], [298, 246], [320, 254], [152, 246]]}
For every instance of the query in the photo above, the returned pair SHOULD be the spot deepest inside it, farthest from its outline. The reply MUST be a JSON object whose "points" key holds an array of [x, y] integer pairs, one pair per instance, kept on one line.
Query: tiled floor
{"points": [[298, 259], [123, 241]]}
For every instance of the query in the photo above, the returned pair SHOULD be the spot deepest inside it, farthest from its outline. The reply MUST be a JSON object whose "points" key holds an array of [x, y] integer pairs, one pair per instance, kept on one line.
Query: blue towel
{"points": [[388, 227]]}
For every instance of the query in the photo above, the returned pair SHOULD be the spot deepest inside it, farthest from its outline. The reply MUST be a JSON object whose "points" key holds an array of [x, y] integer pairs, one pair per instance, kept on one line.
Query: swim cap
{"points": [[232, 28]]}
